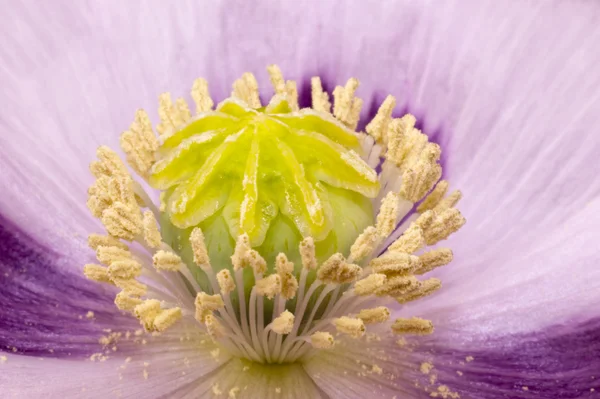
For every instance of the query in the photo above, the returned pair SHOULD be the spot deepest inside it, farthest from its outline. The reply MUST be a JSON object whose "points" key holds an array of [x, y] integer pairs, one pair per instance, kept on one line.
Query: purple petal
{"points": [[169, 370], [43, 308], [561, 361]]}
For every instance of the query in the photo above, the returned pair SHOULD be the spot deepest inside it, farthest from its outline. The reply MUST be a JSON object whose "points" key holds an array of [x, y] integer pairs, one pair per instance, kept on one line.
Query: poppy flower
{"points": [[408, 209]]}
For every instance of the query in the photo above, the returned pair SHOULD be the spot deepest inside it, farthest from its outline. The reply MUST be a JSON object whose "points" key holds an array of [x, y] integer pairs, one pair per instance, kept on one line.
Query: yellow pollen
{"points": [[140, 144], [307, 253], [256, 262], [410, 241], [322, 340], [320, 98], [209, 302], [379, 314], [439, 226], [109, 164], [146, 312], [107, 255], [239, 259], [415, 326], [97, 273], [365, 244], [201, 96], [283, 323], [433, 198], [214, 327], [398, 285], [122, 221], [422, 175], [355, 328], [394, 263], [289, 88], [199, 248], [124, 269], [167, 261], [433, 259], [126, 302], [269, 286], [335, 270], [449, 202], [426, 287], [378, 127], [369, 284], [246, 89], [346, 107], [285, 269], [166, 319], [152, 235], [98, 240], [131, 287], [226, 283], [172, 116], [388, 214]]}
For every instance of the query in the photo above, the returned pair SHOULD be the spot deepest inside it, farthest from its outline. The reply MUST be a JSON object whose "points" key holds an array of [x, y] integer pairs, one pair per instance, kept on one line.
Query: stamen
{"points": [[167, 261], [201, 96], [410, 241], [388, 214], [322, 340], [269, 286], [131, 287], [124, 269], [397, 285], [436, 195], [146, 312], [199, 248], [320, 98], [441, 225], [109, 164], [379, 314], [433, 259], [422, 175], [239, 259], [307, 253], [140, 144], [126, 302], [365, 244], [256, 262], [284, 323], [108, 255], [415, 325], [246, 89], [335, 270], [392, 263], [285, 268], [355, 328], [346, 107], [288, 88], [427, 287], [171, 117], [122, 221], [97, 273], [167, 318], [370, 284], [226, 283], [378, 127], [152, 235], [98, 240], [213, 327]]}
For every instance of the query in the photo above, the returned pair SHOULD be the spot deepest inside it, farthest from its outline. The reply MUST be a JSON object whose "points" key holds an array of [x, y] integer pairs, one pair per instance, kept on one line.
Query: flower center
{"points": [[273, 235]]}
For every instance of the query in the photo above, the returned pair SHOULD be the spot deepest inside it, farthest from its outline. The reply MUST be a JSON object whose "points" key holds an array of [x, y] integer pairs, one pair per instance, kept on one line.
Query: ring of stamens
{"points": [[310, 308]]}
